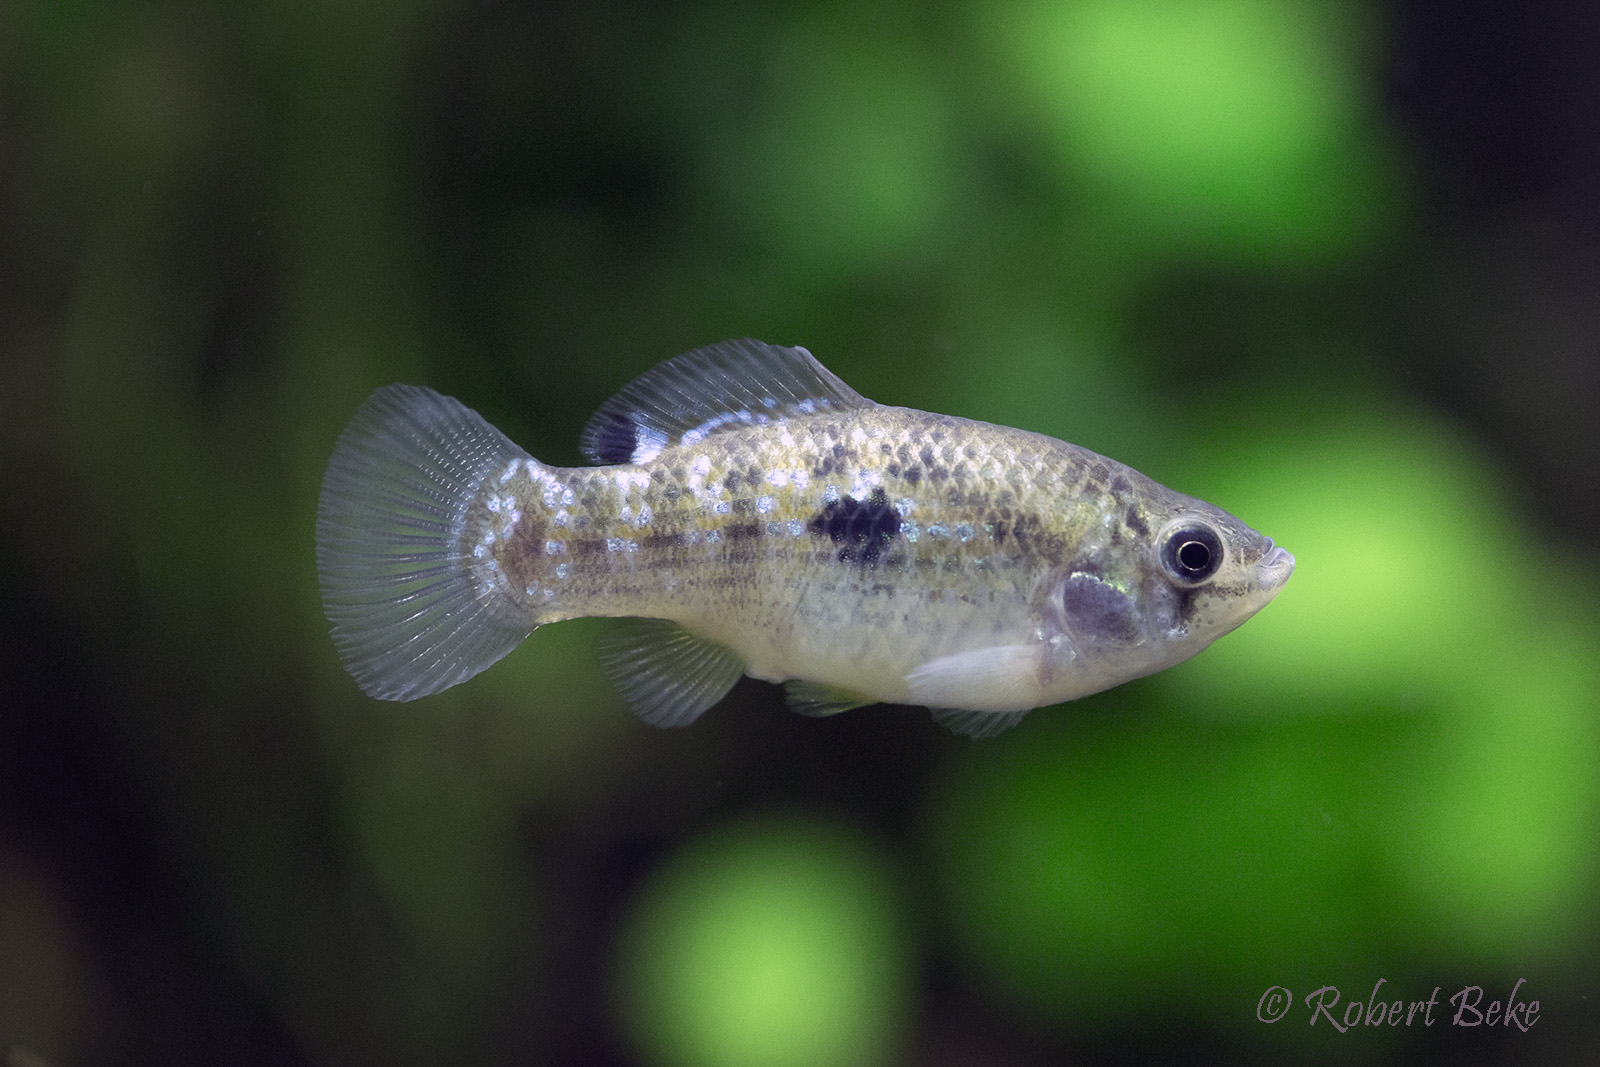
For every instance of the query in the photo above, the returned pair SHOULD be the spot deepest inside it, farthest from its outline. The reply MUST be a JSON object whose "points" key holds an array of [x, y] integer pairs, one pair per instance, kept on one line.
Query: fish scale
{"points": [[767, 520]]}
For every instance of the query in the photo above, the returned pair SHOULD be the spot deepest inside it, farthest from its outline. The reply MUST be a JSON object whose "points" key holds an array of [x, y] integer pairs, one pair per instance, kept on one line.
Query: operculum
{"points": [[1097, 611]]}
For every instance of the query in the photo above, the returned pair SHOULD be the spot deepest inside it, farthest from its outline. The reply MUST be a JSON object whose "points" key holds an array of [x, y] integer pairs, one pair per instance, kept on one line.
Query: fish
{"points": [[748, 513]]}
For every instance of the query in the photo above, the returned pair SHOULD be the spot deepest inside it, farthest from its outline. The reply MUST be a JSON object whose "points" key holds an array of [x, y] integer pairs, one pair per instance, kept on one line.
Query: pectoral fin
{"points": [[667, 675], [999, 678]]}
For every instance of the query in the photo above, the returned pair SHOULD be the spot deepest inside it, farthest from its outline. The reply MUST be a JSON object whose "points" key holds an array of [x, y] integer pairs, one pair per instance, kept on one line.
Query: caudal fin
{"points": [[409, 617]]}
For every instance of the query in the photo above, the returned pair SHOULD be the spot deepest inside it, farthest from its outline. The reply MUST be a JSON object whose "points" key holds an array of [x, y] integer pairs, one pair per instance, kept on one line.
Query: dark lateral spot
{"points": [[741, 531], [1119, 484], [937, 474], [862, 529], [1135, 524], [912, 475], [732, 481], [926, 456], [615, 441]]}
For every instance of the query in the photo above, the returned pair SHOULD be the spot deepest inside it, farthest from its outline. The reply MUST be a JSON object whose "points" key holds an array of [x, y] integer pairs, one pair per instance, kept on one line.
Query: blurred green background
{"points": [[1333, 266]]}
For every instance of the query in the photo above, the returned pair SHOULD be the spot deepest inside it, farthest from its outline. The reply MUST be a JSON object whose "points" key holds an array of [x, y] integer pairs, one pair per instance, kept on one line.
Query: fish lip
{"points": [[1276, 566]]}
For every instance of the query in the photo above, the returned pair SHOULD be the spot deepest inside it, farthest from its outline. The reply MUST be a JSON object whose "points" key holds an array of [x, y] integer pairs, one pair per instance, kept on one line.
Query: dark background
{"points": [[1333, 267]]}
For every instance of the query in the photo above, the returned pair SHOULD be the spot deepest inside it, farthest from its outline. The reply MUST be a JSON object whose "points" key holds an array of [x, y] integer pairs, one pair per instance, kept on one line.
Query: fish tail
{"points": [[412, 608]]}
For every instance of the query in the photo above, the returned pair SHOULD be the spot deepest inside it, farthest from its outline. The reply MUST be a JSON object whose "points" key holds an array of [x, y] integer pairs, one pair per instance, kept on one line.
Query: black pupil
{"points": [[1194, 556]]}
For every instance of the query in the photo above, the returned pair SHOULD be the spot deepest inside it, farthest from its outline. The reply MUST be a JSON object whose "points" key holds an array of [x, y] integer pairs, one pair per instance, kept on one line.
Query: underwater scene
{"points": [[1191, 402]]}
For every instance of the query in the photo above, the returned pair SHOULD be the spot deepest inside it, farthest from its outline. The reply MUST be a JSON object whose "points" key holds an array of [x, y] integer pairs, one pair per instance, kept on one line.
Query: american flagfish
{"points": [[751, 514]]}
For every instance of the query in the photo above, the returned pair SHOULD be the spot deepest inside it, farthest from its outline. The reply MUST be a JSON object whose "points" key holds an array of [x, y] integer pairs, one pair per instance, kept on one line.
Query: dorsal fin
{"points": [[688, 397]]}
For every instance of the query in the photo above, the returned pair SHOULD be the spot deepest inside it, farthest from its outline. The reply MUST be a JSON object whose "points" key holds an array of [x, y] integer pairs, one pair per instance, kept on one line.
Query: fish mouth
{"points": [[1275, 567]]}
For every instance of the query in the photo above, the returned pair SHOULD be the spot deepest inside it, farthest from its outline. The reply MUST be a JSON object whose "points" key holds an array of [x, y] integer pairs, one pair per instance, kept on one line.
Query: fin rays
{"points": [[699, 393], [667, 675], [818, 699], [408, 617], [976, 724]]}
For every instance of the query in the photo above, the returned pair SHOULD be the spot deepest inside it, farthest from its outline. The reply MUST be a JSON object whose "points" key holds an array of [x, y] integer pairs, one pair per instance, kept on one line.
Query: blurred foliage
{"points": [[770, 944], [1328, 265], [1236, 128]]}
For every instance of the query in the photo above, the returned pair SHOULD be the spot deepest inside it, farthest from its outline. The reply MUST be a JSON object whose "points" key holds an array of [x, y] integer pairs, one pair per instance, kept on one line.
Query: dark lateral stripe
{"points": [[660, 542], [741, 531]]}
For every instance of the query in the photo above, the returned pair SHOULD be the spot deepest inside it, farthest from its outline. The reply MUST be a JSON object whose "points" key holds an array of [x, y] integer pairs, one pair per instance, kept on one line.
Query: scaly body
{"points": [[774, 523]]}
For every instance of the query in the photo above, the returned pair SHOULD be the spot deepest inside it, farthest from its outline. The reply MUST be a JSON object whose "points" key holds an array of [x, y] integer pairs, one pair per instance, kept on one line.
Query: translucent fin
{"points": [[1000, 678], [408, 617], [976, 723], [819, 699], [667, 675], [688, 397]]}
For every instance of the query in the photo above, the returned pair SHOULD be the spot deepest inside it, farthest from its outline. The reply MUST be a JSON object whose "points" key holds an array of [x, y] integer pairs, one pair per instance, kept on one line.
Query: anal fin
{"points": [[976, 723], [818, 699], [667, 675]]}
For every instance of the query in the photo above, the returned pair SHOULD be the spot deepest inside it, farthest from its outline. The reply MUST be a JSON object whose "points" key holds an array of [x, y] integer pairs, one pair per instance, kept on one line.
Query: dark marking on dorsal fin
{"points": [[690, 397], [614, 439]]}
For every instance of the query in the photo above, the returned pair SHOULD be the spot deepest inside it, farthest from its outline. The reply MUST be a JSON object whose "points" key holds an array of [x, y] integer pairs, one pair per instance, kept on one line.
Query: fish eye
{"points": [[1191, 553]]}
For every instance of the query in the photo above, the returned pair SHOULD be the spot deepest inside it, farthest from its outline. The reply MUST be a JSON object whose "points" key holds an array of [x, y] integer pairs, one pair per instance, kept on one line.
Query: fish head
{"points": [[1171, 575]]}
